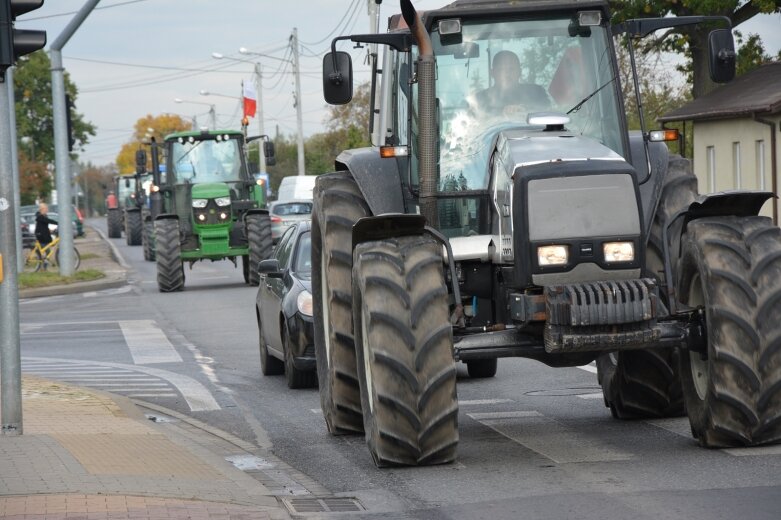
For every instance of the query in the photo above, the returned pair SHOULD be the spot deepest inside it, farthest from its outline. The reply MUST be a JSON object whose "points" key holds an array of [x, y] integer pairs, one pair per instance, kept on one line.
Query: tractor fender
{"points": [[388, 226], [167, 216], [378, 179], [727, 203], [256, 211]]}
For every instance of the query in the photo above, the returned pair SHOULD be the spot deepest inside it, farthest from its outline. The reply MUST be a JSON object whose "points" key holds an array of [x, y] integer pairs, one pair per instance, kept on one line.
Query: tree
{"points": [[691, 40], [751, 53], [95, 181], [354, 114], [35, 182], [160, 126]]}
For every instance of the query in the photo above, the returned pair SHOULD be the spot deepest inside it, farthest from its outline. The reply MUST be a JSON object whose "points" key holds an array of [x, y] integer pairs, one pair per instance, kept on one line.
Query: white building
{"points": [[736, 134]]}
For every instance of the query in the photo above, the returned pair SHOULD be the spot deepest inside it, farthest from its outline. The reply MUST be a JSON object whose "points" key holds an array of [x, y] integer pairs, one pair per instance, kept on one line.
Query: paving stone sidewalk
{"points": [[89, 455]]}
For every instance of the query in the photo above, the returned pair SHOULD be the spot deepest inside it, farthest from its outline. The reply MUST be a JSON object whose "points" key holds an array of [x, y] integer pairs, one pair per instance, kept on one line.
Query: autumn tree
{"points": [[94, 182], [160, 127], [691, 40]]}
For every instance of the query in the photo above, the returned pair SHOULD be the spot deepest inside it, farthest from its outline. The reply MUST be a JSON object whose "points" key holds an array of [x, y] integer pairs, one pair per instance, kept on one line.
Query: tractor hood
{"points": [[526, 147], [210, 190]]}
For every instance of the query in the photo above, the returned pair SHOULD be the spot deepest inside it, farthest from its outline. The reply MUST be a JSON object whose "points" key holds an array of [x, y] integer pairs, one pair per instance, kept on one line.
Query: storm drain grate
{"points": [[323, 505]]}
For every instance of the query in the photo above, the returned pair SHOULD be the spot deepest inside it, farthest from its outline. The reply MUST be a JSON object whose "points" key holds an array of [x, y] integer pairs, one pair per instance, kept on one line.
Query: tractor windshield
{"points": [[210, 160], [500, 71], [127, 187]]}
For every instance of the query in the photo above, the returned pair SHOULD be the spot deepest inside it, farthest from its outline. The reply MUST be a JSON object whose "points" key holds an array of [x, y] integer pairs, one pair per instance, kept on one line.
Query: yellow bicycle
{"points": [[41, 257]]}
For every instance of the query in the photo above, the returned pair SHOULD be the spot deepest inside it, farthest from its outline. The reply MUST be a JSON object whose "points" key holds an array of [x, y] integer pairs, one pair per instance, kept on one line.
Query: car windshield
{"points": [[304, 254], [296, 208], [503, 70], [200, 161]]}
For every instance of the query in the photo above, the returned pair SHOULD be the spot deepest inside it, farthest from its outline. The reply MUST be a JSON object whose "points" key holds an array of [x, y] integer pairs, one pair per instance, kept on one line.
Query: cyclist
{"points": [[42, 221]]}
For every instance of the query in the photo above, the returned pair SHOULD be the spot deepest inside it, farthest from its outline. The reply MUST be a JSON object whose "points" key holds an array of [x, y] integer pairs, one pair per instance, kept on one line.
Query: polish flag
{"points": [[250, 99]]}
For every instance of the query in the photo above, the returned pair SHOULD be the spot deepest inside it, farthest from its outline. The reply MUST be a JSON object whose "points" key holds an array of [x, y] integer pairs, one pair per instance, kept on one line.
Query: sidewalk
{"points": [[97, 252], [92, 456], [89, 455]]}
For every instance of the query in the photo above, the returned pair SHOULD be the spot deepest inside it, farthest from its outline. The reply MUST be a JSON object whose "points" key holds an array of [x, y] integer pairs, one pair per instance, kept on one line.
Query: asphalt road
{"points": [[535, 442]]}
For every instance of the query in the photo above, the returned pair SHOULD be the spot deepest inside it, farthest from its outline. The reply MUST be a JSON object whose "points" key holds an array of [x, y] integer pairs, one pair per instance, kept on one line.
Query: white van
{"points": [[296, 187]]}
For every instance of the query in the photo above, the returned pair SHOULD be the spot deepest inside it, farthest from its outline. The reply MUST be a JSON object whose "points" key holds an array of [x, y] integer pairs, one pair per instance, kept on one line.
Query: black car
{"points": [[284, 309]]}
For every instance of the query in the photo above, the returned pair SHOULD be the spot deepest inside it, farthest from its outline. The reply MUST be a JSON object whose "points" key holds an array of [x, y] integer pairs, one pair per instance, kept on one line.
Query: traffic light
{"points": [[17, 42]]}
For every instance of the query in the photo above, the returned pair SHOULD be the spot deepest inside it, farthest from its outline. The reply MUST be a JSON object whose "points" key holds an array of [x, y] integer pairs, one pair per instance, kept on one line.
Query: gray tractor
{"points": [[532, 224]]}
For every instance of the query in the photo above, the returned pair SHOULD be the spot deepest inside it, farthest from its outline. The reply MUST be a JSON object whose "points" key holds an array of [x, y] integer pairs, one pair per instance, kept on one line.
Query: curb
{"points": [[108, 282]]}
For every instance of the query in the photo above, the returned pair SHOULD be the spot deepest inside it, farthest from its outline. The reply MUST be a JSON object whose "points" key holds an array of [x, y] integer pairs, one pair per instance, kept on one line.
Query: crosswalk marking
{"points": [[147, 343], [549, 438]]}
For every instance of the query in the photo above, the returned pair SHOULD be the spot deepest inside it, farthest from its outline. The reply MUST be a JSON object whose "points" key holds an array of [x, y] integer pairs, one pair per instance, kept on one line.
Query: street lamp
{"points": [[29, 140], [212, 112]]}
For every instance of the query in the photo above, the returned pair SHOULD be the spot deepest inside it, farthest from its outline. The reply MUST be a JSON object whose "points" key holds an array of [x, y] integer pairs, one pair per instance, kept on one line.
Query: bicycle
{"points": [[42, 256]]}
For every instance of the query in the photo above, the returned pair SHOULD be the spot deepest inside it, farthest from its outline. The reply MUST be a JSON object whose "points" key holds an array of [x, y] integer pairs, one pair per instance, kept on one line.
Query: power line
{"points": [[119, 4], [354, 7]]}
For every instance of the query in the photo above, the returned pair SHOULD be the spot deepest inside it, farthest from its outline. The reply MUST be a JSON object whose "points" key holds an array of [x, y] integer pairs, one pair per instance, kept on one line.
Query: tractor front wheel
{"points": [[134, 228], [404, 344], [114, 222], [731, 268], [148, 241], [170, 270], [258, 226]]}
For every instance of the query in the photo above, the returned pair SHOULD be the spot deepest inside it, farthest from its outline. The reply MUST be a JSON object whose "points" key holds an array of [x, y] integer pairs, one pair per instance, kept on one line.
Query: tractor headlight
{"points": [[202, 217], [224, 215], [223, 201], [618, 251], [200, 203], [552, 255], [304, 303]]}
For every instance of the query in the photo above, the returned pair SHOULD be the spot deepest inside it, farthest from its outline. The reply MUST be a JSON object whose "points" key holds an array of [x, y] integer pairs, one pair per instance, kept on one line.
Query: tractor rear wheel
{"points": [[148, 241], [404, 344], [134, 228], [731, 267], [647, 383], [338, 204], [114, 222], [170, 270], [258, 227]]}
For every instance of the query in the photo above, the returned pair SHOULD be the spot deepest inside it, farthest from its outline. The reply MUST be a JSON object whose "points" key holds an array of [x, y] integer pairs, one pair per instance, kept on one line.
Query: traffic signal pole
{"points": [[13, 44], [61, 155]]}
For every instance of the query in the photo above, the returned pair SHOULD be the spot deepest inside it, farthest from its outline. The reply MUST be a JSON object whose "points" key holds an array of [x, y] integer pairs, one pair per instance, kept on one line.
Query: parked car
{"points": [[78, 219], [283, 308], [27, 214], [286, 213], [28, 238]]}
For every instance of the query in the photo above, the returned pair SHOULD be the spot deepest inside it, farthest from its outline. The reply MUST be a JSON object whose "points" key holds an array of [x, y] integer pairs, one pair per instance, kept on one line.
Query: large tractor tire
{"points": [[404, 344], [647, 383], [114, 222], [148, 241], [258, 227], [134, 228], [731, 267], [170, 270], [338, 204]]}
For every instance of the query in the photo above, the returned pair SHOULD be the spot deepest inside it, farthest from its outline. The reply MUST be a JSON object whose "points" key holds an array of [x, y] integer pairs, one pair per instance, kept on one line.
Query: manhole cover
{"points": [[581, 390], [322, 505]]}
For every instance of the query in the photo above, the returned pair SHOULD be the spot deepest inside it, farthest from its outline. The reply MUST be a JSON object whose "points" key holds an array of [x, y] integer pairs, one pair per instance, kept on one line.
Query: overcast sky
{"points": [[127, 58]]}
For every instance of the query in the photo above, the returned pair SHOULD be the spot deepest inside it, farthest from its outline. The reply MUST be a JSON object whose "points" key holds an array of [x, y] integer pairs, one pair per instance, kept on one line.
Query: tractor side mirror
{"points": [[268, 152], [269, 267], [721, 55], [127, 183], [337, 78], [140, 161]]}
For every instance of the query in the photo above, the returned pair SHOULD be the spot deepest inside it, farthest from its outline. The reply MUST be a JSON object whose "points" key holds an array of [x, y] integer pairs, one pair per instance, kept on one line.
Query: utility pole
{"points": [[299, 119], [61, 154]]}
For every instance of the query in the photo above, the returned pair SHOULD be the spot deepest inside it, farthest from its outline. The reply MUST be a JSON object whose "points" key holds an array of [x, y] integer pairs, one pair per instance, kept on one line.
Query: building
{"points": [[736, 131]]}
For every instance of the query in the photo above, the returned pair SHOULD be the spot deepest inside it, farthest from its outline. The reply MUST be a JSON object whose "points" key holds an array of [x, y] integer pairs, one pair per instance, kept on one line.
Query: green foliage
{"points": [[751, 53]]}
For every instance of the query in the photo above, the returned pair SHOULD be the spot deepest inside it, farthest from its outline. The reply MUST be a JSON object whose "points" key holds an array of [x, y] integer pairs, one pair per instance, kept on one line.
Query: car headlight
{"points": [[223, 201], [304, 303], [200, 203], [618, 251], [552, 255]]}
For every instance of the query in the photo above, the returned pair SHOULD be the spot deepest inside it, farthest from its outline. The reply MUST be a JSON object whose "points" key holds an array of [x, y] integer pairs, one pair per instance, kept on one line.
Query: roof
{"points": [[470, 8], [198, 133], [755, 92]]}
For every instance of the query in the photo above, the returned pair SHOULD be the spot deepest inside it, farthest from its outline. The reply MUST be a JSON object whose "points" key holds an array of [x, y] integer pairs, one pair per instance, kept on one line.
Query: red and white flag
{"points": [[250, 99]]}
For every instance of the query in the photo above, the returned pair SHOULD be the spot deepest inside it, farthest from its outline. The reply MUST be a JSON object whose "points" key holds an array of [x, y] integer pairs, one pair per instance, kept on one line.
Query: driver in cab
{"points": [[507, 96]]}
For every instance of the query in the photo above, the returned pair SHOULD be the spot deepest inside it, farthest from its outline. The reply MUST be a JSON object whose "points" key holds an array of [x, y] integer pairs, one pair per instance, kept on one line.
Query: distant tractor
{"points": [[211, 207], [529, 222], [118, 199]]}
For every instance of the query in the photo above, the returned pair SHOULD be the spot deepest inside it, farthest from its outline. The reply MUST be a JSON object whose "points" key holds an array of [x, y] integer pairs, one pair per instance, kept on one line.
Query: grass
{"points": [[48, 278], [89, 256]]}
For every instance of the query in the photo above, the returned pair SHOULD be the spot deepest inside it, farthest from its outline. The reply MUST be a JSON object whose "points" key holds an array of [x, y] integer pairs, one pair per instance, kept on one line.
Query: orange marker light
{"points": [[387, 152], [666, 134]]}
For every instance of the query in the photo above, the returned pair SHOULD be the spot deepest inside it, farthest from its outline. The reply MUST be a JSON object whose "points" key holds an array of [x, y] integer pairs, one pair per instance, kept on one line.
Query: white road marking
{"points": [[147, 343], [589, 368], [549, 438], [597, 395], [479, 402], [198, 397], [134, 383], [161, 394], [318, 411]]}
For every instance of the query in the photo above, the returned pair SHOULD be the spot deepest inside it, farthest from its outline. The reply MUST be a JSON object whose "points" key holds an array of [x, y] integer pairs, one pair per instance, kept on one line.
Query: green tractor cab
{"points": [[212, 208]]}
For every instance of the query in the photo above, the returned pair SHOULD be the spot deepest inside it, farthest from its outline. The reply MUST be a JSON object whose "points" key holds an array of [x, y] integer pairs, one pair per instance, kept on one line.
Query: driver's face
{"points": [[506, 73]]}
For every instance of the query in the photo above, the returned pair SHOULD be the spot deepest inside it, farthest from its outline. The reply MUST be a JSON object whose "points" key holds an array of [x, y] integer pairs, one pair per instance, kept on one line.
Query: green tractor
{"points": [[211, 208]]}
